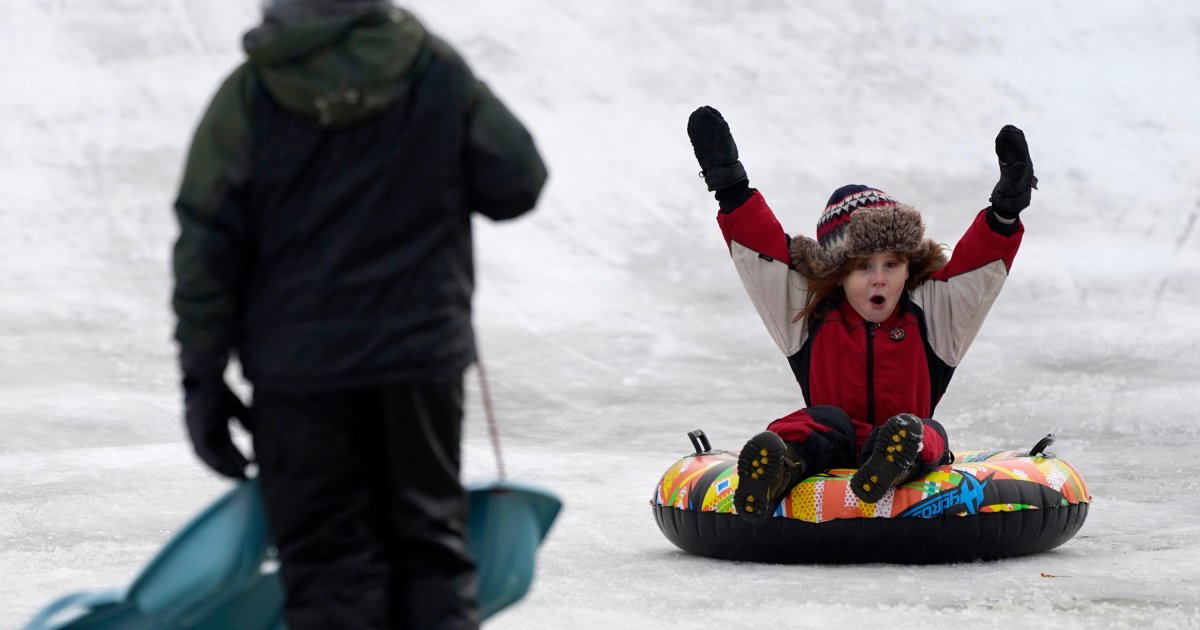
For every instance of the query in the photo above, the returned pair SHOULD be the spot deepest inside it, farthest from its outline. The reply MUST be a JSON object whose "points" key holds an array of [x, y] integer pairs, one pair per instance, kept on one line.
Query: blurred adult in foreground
{"points": [[325, 241]]}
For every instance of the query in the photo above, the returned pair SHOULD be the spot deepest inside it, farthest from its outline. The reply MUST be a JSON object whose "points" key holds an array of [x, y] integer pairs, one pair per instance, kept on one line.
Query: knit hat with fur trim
{"points": [[858, 221]]}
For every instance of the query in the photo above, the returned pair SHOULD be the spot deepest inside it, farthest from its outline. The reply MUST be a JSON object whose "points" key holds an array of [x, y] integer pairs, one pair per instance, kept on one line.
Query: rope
{"points": [[490, 414]]}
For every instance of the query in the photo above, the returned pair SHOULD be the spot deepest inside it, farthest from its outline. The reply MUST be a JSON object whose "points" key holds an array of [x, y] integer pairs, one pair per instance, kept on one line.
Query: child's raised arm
{"points": [[756, 240], [957, 298]]}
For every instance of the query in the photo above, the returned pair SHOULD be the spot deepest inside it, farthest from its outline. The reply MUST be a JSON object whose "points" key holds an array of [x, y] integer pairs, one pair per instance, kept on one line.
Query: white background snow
{"points": [[611, 319]]}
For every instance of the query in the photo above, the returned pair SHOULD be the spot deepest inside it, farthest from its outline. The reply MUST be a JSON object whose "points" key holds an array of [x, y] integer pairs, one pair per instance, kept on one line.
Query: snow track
{"points": [[612, 319]]}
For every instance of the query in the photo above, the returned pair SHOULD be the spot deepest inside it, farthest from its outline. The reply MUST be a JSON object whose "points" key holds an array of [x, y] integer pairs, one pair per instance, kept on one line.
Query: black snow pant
{"points": [[364, 504], [823, 450]]}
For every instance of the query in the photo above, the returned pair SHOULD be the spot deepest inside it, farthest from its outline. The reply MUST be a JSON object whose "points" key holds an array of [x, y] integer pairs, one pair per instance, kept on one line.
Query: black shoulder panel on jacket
{"points": [[801, 362], [940, 372]]}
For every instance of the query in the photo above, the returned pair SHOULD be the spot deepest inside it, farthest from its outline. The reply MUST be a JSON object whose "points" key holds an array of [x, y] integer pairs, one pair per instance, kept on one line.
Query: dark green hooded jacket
{"points": [[324, 213]]}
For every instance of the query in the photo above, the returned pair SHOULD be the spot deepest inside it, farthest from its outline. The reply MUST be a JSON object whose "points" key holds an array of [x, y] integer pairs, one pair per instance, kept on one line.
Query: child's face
{"points": [[874, 285]]}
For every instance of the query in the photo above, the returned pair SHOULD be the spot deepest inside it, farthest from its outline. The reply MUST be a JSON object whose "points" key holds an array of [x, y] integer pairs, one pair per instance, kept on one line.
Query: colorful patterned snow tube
{"points": [[988, 504]]}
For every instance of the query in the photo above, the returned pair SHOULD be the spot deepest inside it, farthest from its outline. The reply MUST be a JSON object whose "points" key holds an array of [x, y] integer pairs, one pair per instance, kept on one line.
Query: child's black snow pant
{"points": [[833, 446], [363, 501]]}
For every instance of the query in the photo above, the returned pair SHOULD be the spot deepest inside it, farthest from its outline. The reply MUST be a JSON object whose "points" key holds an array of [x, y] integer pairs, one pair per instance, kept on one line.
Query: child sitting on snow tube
{"points": [[871, 316]]}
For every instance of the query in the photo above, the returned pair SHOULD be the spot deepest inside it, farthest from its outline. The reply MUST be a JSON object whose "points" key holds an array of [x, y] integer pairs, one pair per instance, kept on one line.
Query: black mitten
{"points": [[715, 149], [1012, 192], [209, 405]]}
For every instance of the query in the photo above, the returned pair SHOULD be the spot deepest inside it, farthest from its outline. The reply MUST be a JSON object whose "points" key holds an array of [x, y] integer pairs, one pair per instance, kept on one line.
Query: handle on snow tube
{"points": [[699, 440], [1041, 446]]}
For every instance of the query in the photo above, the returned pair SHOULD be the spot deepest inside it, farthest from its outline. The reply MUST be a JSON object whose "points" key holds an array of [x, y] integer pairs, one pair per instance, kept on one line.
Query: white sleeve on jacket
{"points": [[958, 297], [778, 293], [956, 307]]}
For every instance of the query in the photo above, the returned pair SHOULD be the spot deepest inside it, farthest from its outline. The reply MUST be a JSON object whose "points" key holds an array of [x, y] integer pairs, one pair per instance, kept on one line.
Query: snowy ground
{"points": [[612, 320]]}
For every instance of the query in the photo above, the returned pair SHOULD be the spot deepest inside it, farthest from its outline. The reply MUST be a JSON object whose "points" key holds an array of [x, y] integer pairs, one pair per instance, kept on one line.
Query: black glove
{"points": [[208, 406], [715, 150], [1012, 192]]}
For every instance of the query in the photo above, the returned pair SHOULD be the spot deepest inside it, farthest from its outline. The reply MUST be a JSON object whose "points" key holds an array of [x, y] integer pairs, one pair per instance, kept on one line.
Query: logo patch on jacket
{"points": [[897, 334]]}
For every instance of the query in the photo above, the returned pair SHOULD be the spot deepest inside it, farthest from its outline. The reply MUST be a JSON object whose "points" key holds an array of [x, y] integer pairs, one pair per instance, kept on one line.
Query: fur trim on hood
{"points": [[896, 228]]}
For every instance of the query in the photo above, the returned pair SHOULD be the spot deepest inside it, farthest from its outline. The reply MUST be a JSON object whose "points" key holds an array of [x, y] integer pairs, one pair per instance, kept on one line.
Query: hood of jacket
{"points": [[335, 63]]}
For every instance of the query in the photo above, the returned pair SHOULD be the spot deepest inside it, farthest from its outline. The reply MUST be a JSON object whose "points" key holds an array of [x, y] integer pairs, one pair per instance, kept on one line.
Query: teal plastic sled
{"points": [[217, 573], [213, 574], [506, 525]]}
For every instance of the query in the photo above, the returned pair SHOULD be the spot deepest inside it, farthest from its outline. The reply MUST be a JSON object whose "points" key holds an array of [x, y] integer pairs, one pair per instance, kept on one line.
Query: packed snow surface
{"points": [[612, 321]]}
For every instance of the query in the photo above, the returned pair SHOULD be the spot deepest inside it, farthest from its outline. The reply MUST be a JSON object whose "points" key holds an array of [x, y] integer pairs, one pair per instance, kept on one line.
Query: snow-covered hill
{"points": [[612, 321]]}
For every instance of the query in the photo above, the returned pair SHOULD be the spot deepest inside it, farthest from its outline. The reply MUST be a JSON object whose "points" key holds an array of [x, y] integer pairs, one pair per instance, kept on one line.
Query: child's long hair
{"points": [[825, 292]]}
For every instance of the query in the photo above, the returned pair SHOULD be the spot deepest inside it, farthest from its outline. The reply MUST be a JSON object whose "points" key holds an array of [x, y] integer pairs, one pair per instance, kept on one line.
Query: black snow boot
{"points": [[893, 459], [768, 469]]}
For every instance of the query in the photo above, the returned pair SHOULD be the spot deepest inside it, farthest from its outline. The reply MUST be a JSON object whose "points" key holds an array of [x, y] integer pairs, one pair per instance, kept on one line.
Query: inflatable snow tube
{"points": [[987, 505]]}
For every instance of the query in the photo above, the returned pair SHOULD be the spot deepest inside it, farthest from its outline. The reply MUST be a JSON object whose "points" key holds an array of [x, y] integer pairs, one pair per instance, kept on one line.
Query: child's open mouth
{"points": [[877, 300]]}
